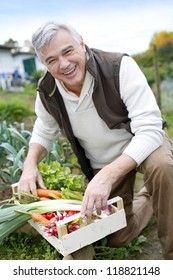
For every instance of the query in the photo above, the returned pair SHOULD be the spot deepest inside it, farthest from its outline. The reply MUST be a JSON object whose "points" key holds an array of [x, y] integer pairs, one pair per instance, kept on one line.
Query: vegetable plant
{"points": [[14, 142], [56, 176], [14, 110]]}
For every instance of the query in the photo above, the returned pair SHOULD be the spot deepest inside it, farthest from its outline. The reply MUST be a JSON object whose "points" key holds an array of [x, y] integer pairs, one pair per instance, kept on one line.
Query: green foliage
{"points": [[14, 111], [13, 148], [62, 152], [162, 47], [149, 74], [14, 143], [37, 75], [24, 246], [144, 59], [12, 43], [161, 39], [29, 90], [169, 118], [56, 176], [104, 252], [165, 53]]}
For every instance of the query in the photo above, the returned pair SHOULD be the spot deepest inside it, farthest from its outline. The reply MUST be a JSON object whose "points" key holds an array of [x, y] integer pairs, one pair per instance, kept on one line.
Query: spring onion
{"points": [[15, 216]]}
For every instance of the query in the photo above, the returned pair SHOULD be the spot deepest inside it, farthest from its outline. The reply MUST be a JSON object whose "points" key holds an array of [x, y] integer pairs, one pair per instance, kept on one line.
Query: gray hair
{"points": [[45, 33]]}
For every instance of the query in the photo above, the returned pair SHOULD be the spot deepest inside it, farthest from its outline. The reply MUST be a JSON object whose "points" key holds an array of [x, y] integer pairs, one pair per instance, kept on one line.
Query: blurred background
{"points": [[143, 29]]}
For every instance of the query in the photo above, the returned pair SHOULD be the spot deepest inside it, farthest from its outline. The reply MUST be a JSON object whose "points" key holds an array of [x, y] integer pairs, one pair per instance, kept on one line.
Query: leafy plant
{"points": [[37, 75], [13, 149], [14, 110], [24, 246], [11, 173], [62, 152], [105, 252], [56, 176]]}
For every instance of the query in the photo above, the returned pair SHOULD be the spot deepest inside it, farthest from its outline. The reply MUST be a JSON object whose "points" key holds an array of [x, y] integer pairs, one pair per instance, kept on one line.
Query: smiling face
{"points": [[65, 59]]}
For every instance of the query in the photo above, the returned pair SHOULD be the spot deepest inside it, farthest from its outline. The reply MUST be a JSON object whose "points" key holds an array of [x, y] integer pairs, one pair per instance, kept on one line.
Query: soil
{"points": [[5, 192]]}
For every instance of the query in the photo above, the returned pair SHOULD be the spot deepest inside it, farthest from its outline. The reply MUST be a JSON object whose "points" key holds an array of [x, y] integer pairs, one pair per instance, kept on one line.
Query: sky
{"points": [[111, 25]]}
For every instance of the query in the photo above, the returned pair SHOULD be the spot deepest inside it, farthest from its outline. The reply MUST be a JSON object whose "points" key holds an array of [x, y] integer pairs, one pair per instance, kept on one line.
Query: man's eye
{"points": [[68, 52], [51, 61]]}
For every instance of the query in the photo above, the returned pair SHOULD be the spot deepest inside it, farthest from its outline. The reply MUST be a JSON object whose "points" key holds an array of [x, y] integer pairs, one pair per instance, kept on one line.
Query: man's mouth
{"points": [[70, 72]]}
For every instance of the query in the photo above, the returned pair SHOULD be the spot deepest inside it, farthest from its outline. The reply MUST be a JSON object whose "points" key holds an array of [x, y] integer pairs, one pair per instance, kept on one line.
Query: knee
{"points": [[125, 235], [115, 241], [158, 165]]}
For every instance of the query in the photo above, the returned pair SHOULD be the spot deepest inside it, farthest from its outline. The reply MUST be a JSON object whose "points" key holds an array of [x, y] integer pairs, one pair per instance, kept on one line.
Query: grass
{"points": [[27, 97], [28, 90], [18, 106]]}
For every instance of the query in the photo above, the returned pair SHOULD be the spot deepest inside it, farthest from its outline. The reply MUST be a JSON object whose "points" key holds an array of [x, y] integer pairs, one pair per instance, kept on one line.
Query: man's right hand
{"points": [[31, 175], [28, 180]]}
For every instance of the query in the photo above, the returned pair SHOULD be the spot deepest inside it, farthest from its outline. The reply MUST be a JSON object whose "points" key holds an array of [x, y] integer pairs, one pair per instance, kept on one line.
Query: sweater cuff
{"points": [[47, 144], [139, 150]]}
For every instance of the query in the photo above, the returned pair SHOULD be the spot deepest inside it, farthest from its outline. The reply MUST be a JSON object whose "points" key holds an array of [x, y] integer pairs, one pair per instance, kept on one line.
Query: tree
{"points": [[145, 59], [166, 53], [11, 43], [161, 39]]}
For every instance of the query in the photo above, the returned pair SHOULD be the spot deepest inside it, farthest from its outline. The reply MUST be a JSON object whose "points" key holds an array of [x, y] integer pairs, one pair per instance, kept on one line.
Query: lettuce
{"points": [[56, 176]]}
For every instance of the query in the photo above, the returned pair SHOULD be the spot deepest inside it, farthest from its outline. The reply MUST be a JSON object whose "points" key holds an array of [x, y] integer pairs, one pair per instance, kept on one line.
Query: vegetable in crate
{"points": [[49, 193], [42, 194], [14, 216], [39, 218], [51, 227]]}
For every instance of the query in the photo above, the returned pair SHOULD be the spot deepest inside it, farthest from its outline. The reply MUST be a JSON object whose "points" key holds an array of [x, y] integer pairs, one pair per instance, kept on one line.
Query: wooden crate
{"points": [[88, 234], [68, 243]]}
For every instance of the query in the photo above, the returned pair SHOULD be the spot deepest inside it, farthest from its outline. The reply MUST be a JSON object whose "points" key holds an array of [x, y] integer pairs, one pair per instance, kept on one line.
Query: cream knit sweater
{"points": [[101, 144]]}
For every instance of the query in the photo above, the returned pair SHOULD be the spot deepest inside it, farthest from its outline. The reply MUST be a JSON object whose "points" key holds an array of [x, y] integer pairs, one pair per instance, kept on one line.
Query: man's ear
{"points": [[83, 44]]}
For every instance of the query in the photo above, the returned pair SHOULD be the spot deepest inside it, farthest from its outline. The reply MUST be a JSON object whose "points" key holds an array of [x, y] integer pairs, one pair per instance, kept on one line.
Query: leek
{"points": [[9, 226], [15, 216]]}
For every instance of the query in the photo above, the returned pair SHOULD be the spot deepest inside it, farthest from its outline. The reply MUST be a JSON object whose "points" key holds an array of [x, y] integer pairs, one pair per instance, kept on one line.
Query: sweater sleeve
{"points": [[46, 129], [146, 120]]}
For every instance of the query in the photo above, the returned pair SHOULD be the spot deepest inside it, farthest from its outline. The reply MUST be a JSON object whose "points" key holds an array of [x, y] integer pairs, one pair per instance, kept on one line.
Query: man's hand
{"points": [[97, 193], [31, 175], [28, 180], [99, 188]]}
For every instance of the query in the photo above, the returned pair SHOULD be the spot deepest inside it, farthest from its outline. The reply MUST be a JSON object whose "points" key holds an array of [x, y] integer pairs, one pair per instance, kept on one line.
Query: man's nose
{"points": [[63, 63]]}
